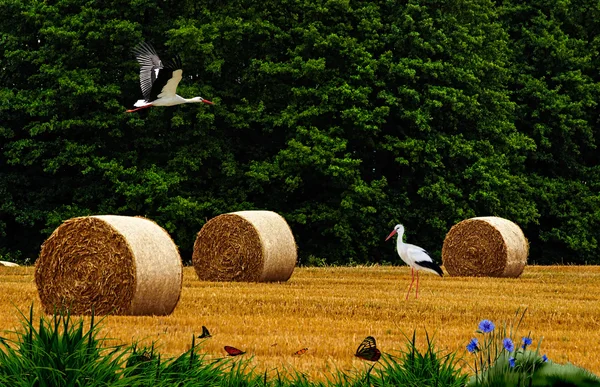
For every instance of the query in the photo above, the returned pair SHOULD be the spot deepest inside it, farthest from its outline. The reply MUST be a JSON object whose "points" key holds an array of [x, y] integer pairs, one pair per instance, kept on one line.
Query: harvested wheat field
{"points": [[331, 310]]}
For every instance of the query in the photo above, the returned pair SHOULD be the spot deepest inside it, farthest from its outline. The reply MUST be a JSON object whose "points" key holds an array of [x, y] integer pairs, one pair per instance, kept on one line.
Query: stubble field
{"points": [[331, 310]]}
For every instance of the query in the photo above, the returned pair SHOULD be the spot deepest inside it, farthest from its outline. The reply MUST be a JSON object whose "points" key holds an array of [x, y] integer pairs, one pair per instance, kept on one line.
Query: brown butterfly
{"points": [[300, 352], [367, 350], [231, 351], [205, 333]]}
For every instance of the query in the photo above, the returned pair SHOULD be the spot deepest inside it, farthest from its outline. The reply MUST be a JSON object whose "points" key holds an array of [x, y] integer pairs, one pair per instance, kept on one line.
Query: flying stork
{"points": [[415, 257], [159, 81]]}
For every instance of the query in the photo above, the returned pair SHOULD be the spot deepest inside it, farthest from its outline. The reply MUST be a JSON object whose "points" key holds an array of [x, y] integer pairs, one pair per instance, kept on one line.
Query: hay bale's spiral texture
{"points": [[485, 247], [251, 246], [8, 264], [113, 264]]}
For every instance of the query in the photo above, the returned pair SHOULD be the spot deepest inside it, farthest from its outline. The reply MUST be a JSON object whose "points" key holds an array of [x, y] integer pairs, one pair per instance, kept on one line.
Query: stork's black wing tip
{"points": [[174, 63], [144, 48], [432, 266]]}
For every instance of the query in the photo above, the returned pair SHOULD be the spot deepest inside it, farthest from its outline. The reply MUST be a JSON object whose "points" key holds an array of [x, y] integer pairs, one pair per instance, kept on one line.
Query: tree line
{"points": [[344, 116]]}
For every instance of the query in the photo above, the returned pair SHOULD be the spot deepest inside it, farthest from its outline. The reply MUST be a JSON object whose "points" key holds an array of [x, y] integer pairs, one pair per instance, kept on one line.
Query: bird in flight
{"points": [[159, 80], [415, 257]]}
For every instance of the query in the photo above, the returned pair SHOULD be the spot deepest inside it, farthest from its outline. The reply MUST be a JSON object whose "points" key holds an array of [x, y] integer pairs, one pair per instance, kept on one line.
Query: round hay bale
{"points": [[113, 264], [250, 246], [485, 247], [8, 264]]}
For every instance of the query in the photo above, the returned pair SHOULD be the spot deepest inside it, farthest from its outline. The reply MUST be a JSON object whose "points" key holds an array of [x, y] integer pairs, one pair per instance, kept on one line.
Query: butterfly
{"points": [[367, 350], [231, 351], [205, 333], [300, 352]]}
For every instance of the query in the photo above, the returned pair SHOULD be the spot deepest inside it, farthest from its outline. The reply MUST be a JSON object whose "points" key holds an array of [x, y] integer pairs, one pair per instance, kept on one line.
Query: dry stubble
{"points": [[330, 310]]}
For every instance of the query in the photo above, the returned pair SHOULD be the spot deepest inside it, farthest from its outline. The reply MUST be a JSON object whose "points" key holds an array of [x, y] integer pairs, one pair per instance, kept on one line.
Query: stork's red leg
{"points": [[140, 108], [412, 270], [417, 292]]}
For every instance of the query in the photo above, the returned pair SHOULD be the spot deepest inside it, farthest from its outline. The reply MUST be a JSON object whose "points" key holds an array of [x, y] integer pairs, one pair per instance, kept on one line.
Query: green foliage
{"points": [[500, 359], [188, 369], [62, 125], [532, 371], [555, 375], [496, 364], [555, 85], [346, 117], [60, 353], [415, 368]]}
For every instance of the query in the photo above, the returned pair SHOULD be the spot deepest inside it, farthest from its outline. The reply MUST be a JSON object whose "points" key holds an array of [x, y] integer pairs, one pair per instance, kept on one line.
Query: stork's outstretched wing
{"points": [[157, 79], [150, 65], [167, 81]]}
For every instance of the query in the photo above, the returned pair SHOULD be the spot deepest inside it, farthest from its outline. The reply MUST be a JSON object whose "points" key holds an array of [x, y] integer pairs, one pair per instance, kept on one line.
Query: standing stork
{"points": [[159, 81], [415, 257]]}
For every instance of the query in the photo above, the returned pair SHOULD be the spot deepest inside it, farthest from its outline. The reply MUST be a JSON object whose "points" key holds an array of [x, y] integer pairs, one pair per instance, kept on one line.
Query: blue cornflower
{"points": [[526, 341], [544, 358], [472, 346], [486, 326], [508, 344], [511, 361]]}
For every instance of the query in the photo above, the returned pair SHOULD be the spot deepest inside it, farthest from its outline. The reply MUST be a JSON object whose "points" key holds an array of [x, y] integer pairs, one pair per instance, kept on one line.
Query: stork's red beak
{"points": [[207, 101], [391, 234]]}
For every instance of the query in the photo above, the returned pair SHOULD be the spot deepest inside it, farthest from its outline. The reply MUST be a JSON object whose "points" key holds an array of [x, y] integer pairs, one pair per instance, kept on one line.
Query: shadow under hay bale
{"points": [[485, 247], [250, 246], [8, 264], [115, 264]]}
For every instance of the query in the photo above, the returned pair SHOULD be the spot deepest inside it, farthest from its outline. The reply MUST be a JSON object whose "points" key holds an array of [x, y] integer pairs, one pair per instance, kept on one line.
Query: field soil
{"points": [[331, 310]]}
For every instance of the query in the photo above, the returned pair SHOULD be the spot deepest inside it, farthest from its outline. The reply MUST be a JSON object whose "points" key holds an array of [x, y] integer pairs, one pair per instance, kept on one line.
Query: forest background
{"points": [[346, 117]]}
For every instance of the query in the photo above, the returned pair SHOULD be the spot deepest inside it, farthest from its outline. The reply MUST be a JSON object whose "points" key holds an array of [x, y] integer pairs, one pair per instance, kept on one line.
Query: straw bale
{"points": [[485, 247], [8, 264], [245, 246], [113, 264]]}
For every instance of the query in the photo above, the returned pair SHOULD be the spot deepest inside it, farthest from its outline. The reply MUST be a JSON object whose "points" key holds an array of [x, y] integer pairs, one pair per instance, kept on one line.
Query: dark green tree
{"points": [[449, 148], [68, 149], [358, 115], [344, 116], [555, 85]]}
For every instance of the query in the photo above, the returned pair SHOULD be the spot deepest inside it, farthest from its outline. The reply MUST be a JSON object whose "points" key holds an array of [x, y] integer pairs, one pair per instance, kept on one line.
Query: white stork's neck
{"points": [[400, 232], [192, 100]]}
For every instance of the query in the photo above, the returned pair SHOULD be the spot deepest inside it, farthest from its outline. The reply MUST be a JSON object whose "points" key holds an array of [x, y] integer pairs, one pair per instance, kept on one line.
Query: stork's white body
{"points": [[414, 256], [166, 101]]}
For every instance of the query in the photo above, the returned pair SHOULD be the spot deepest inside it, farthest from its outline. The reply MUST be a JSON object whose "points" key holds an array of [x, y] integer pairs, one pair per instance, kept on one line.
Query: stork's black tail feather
{"points": [[431, 265]]}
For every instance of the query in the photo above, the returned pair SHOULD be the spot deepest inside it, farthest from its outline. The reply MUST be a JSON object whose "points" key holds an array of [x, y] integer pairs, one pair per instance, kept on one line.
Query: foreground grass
{"points": [[59, 351], [330, 310]]}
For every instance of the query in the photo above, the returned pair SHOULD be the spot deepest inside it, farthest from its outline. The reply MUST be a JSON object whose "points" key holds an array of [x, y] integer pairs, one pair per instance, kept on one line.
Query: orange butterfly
{"points": [[231, 351], [367, 350], [300, 352]]}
